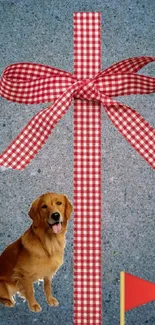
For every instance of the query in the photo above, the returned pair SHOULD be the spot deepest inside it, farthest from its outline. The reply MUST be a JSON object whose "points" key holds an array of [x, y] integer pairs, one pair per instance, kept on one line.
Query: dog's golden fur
{"points": [[37, 254]]}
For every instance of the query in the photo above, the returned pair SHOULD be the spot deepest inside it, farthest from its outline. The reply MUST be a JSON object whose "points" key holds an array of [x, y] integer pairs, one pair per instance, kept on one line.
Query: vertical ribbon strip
{"points": [[87, 175]]}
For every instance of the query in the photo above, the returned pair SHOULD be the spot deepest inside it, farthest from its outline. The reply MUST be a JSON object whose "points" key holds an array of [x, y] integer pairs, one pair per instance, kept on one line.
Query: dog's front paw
{"points": [[7, 302], [53, 301], [35, 308]]}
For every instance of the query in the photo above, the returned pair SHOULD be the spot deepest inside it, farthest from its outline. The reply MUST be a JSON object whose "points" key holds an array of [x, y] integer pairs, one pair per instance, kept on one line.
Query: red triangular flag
{"points": [[134, 292], [137, 291]]}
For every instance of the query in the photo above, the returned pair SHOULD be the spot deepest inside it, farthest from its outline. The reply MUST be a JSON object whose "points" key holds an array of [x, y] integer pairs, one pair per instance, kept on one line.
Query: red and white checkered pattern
{"points": [[87, 174], [31, 83]]}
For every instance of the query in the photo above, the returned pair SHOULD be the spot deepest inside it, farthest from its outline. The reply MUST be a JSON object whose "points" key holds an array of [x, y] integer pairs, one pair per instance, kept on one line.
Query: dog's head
{"points": [[51, 211]]}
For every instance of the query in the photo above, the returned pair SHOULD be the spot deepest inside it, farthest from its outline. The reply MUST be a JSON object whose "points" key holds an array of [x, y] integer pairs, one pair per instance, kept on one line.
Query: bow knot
{"points": [[86, 89]]}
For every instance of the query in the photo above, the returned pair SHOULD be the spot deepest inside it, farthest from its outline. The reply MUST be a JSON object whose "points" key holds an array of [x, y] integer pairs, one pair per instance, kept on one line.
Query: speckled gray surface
{"points": [[42, 31]]}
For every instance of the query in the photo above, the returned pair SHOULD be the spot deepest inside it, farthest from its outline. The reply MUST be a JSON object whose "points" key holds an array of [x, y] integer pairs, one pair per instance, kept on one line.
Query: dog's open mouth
{"points": [[56, 227]]}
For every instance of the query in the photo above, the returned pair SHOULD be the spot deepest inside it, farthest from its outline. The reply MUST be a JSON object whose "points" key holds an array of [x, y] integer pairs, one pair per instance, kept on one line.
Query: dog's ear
{"points": [[34, 213], [68, 208]]}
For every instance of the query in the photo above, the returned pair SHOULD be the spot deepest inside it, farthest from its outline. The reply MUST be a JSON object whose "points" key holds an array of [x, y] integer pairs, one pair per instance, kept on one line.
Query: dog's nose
{"points": [[55, 216]]}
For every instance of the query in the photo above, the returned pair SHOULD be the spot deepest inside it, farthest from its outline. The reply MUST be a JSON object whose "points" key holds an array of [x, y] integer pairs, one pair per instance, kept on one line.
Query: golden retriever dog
{"points": [[38, 253]]}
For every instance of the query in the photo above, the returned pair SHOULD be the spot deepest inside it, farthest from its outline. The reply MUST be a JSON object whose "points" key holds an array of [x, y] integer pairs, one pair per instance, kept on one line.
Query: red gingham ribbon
{"points": [[31, 83], [87, 174]]}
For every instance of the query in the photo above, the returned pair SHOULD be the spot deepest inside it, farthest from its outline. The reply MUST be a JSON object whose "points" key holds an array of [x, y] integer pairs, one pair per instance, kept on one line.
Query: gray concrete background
{"points": [[42, 31]]}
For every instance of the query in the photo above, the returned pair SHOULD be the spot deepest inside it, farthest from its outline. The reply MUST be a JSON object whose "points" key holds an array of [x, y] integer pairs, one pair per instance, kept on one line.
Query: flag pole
{"points": [[122, 298]]}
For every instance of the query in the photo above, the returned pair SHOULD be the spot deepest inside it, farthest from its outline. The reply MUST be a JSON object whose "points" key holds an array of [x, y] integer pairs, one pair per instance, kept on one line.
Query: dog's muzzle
{"points": [[55, 222]]}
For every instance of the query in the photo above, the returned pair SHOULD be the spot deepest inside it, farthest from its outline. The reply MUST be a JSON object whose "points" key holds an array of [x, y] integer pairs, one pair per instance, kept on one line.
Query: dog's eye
{"points": [[59, 203], [44, 206]]}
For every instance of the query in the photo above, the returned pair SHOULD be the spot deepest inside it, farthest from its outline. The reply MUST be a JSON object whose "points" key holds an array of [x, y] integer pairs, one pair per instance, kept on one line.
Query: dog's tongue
{"points": [[56, 228]]}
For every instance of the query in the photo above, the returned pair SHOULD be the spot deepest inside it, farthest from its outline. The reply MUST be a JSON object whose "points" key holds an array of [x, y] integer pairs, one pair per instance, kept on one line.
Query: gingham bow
{"points": [[31, 83]]}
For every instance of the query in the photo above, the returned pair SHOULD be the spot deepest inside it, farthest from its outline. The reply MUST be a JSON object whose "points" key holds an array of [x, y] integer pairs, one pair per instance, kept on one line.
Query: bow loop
{"points": [[130, 65], [122, 84], [32, 83]]}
